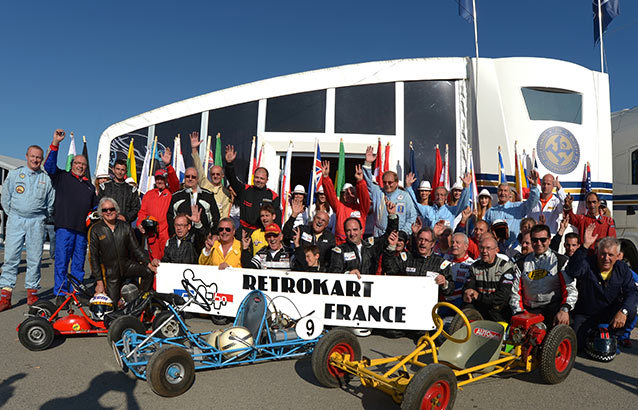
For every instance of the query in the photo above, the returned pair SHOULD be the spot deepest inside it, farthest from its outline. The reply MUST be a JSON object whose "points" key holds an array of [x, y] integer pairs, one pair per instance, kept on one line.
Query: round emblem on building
{"points": [[20, 189], [558, 150]]}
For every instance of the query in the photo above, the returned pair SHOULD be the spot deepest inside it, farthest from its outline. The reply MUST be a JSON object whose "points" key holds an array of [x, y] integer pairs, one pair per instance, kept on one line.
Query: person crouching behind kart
{"points": [[273, 256], [224, 252], [488, 287], [541, 284], [185, 245], [115, 254]]}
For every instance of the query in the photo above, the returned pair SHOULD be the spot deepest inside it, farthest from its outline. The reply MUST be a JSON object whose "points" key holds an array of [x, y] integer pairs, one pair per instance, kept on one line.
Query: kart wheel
{"points": [[457, 323], [170, 371], [432, 387], [336, 341], [36, 333], [43, 308], [171, 329], [558, 353], [121, 324]]}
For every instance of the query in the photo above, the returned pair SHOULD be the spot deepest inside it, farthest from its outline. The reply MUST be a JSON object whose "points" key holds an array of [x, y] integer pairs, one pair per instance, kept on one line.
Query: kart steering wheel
{"points": [[198, 298], [438, 322], [79, 286]]}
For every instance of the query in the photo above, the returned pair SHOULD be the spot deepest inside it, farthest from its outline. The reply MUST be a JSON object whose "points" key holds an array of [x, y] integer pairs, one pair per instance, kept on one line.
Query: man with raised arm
{"points": [[250, 197], [215, 185], [74, 199], [550, 205], [354, 203], [315, 233], [404, 204], [605, 225]]}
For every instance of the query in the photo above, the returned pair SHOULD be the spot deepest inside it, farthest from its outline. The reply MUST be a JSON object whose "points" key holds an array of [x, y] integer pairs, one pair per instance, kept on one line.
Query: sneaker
{"points": [[32, 296], [626, 343]]}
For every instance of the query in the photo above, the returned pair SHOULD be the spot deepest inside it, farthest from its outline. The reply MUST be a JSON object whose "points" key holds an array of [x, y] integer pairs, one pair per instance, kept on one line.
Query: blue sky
{"points": [[84, 65]]}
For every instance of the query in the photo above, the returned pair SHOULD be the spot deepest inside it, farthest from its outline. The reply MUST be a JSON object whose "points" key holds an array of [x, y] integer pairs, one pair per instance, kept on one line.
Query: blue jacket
{"points": [[434, 213], [513, 212], [74, 196], [405, 207], [596, 295], [27, 193]]}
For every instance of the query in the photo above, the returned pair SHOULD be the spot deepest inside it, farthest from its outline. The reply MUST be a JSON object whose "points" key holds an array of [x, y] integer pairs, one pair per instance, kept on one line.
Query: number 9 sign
{"points": [[309, 327]]}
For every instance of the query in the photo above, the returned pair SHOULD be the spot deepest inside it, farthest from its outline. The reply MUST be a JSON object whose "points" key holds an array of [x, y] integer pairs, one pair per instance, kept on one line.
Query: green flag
{"points": [[71, 154], [341, 169], [218, 153]]}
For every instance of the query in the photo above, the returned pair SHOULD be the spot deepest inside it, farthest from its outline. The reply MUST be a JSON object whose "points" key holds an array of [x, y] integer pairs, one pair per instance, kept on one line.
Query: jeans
{"points": [[70, 246]]}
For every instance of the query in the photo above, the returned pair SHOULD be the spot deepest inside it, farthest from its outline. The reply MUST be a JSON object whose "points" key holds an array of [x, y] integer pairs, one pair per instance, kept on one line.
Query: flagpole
{"points": [[207, 156], [476, 48], [600, 31], [312, 175], [150, 169]]}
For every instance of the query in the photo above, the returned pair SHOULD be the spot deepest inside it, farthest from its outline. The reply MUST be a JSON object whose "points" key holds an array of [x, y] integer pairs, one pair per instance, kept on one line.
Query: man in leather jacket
{"points": [[115, 253], [125, 195]]}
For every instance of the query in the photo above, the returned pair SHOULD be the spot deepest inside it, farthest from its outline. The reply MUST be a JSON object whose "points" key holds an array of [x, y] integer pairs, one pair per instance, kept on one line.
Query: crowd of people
{"points": [[532, 255]]}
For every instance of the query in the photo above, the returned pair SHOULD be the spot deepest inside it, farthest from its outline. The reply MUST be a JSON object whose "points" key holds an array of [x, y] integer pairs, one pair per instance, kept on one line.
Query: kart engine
{"points": [[528, 329]]}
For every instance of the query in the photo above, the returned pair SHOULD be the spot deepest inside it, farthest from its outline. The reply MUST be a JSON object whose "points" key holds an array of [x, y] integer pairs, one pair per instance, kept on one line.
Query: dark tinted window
{"points": [[167, 131], [634, 167], [119, 148], [553, 104], [365, 109], [430, 119], [237, 125], [303, 112]]}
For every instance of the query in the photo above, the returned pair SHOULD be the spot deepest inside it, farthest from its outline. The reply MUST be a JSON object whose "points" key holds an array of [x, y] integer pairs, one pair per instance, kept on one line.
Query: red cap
{"points": [[272, 228], [161, 173]]}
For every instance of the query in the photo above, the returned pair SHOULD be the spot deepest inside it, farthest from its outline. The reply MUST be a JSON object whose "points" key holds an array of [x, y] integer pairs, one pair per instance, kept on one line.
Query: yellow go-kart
{"points": [[478, 350]]}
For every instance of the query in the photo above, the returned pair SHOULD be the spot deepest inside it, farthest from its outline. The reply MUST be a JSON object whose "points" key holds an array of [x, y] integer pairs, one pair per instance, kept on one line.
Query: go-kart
{"points": [[259, 333], [472, 353], [46, 320]]}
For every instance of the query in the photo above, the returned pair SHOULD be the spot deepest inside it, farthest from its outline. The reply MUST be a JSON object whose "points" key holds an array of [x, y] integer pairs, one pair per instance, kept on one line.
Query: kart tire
{"points": [[36, 333], [121, 324], [172, 329], [457, 323], [43, 308], [558, 353], [432, 387], [337, 340], [170, 371]]}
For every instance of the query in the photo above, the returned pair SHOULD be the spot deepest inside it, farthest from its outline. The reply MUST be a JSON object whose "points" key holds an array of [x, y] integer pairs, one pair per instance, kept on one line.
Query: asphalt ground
{"points": [[81, 373]]}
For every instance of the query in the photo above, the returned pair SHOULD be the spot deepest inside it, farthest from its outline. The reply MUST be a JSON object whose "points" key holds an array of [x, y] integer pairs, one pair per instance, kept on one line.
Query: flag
{"points": [[585, 188], [285, 184], [144, 185], [85, 153], [316, 175], [466, 10], [609, 9], [341, 169], [473, 185], [378, 168], [413, 169], [535, 166], [526, 164], [502, 177], [178, 159], [256, 164], [446, 169], [251, 163], [521, 181], [70, 154], [438, 169], [131, 169], [386, 159]]}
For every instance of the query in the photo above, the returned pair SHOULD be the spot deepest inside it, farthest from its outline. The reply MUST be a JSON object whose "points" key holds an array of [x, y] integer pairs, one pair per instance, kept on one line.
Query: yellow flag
{"points": [[131, 169]]}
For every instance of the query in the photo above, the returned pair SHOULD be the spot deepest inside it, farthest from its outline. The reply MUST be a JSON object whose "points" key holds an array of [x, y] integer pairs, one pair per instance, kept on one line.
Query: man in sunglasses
{"points": [[192, 197], [115, 254], [224, 252], [216, 183], [541, 284], [273, 256], [74, 199]]}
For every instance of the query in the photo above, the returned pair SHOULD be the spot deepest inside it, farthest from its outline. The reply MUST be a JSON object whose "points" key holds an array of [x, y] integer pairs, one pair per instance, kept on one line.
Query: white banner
{"points": [[384, 302]]}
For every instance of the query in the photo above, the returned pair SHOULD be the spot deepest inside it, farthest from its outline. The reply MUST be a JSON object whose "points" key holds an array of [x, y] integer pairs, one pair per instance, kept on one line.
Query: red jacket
{"points": [[342, 211], [156, 203], [605, 226]]}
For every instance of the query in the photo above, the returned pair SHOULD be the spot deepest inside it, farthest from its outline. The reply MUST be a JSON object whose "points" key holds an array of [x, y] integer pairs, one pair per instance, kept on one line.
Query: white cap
{"points": [[347, 185], [299, 189], [424, 186], [457, 185], [499, 222], [484, 192], [103, 176], [320, 190]]}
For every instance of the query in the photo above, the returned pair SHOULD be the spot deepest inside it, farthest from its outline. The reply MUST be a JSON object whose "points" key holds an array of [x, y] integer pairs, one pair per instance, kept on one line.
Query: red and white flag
{"points": [[438, 169], [386, 160], [446, 169], [285, 184]]}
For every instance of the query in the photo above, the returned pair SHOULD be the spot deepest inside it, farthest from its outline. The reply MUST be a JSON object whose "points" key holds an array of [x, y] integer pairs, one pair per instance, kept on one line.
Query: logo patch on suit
{"points": [[22, 175], [349, 256], [537, 274], [401, 208], [20, 189]]}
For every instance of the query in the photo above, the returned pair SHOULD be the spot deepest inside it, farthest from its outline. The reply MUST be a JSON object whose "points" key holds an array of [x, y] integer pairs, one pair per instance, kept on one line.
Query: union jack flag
{"points": [[315, 176]]}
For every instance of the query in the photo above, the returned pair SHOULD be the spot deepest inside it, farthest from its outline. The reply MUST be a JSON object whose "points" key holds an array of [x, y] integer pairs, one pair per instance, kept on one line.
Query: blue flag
{"points": [[609, 10], [466, 10]]}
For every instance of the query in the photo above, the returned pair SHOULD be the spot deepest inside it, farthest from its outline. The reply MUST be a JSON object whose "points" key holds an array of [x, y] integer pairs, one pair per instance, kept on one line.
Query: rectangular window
{"points": [[430, 119], [303, 112], [365, 109], [553, 104], [634, 167]]}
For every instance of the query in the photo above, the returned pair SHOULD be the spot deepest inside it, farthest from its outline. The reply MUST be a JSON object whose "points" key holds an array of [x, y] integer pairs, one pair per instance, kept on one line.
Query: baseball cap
{"points": [[457, 185], [424, 186], [272, 229], [161, 173]]}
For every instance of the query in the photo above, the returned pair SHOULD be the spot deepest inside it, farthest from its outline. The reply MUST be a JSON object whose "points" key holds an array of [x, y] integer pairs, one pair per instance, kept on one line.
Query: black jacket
{"points": [[186, 250], [181, 204], [345, 257], [250, 199], [413, 264], [325, 242], [125, 195], [264, 259], [113, 251], [493, 282]]}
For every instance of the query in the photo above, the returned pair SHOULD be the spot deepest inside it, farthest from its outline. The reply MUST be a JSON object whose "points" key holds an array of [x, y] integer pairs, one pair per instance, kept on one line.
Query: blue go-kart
{"points": [[169, 357]]}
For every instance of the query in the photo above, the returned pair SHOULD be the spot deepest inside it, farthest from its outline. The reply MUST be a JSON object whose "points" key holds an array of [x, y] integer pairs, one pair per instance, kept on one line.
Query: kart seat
{"points": [[484, 345], [251, 314]]}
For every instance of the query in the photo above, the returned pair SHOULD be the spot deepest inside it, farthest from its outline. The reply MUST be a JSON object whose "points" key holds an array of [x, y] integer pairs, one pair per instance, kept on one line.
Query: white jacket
{"points": [[553, 210]]}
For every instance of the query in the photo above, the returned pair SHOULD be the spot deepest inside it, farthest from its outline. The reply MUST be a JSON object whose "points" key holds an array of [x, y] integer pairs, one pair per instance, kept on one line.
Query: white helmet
{"points": [[213, 338], [99, 305], [235, 338]]}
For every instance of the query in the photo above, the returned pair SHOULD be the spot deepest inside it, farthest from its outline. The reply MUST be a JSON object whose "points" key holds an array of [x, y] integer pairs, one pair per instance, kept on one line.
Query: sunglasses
{"points": [[271, 235], [539, 240], [224, 229], [190, 177], [106, 210], [216, 174]]}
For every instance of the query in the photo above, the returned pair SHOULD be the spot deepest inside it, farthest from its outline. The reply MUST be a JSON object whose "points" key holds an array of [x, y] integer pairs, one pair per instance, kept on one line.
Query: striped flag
{"points": [[178, 159], [285, 184], [145, 185], [316, 175], [473, 185], [72, 153], [502, 177], [585, 188]]}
